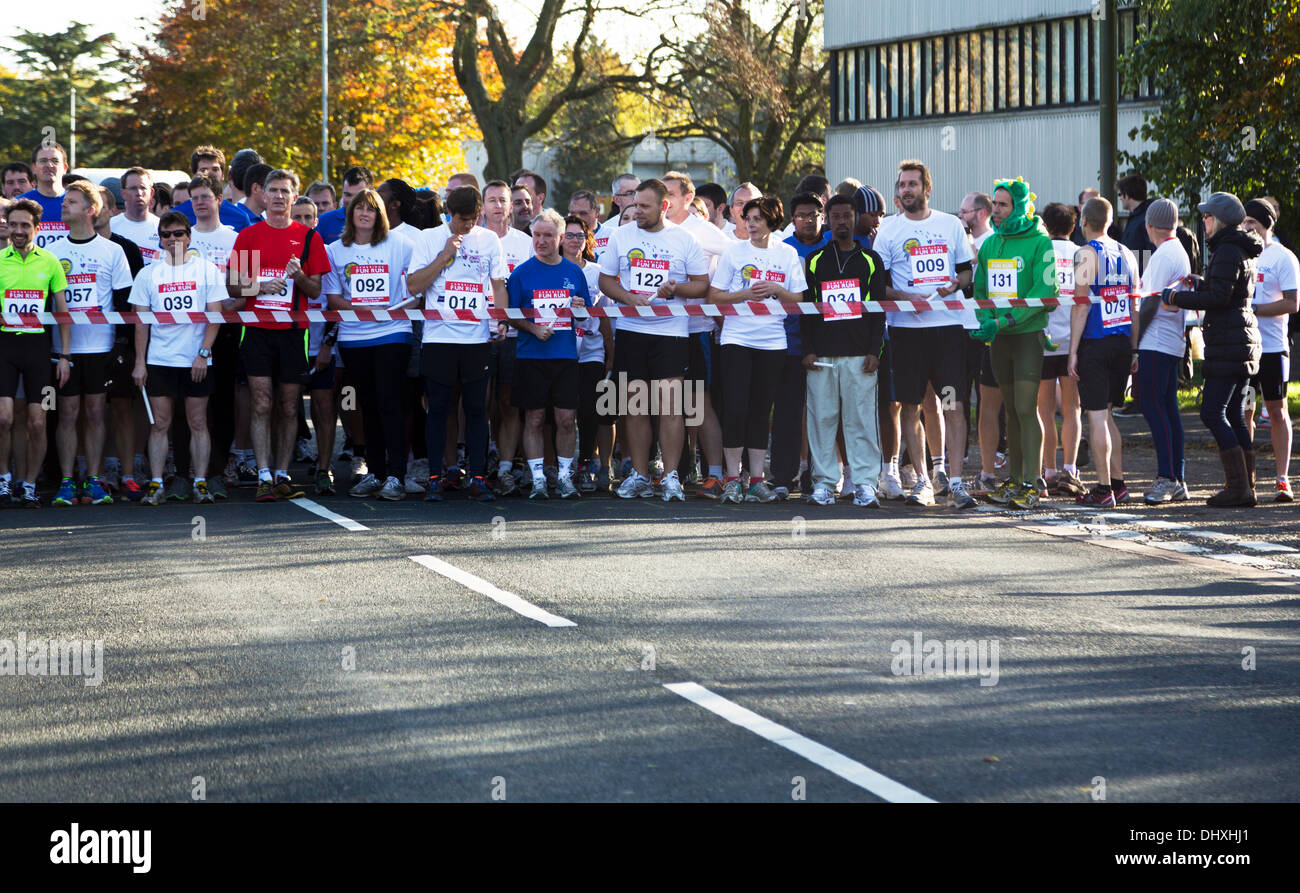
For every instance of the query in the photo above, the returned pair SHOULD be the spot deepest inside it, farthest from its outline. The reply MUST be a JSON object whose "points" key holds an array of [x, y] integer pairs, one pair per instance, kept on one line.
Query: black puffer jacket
{"points": [[1232, 346]]}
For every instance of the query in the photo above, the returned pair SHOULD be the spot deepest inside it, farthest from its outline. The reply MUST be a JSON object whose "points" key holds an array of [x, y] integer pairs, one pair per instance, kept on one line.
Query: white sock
{"points": [[566, 464], [503, 468], [264, 474], [535, 466], [955, 479], [937, 466], [893, 465], [281, 473], [1071, 469]]}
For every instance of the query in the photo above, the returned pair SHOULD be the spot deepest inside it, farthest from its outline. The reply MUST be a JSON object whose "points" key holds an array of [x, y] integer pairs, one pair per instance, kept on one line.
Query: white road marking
{"points": [[1265, 547], [1160, 525], [1212, 535], [1238, 558], [318, 509], [1176, 546], [1117, 517], [848, 769], [500, 596]]}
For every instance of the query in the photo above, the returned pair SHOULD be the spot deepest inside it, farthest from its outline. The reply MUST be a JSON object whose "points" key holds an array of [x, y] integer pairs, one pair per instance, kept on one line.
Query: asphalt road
{"points": [[283, 657]]}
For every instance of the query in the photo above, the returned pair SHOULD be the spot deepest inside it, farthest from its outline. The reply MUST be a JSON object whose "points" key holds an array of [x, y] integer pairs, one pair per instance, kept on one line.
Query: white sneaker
{"points": [[565, 488], [941, 483], [892, 486], [1161, 492], [958, 498], [112, 478], [359, 469], [821, 496], [921, 493], [634, 485], [393, 489], [865, 495], [672, 488], [417, 476], [1180, 492], [367, 486], [540, 490], [908, 476]]}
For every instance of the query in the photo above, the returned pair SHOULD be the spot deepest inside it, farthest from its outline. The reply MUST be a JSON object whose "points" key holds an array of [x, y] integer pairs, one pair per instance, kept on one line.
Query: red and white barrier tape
{"points": [[96, 317]]}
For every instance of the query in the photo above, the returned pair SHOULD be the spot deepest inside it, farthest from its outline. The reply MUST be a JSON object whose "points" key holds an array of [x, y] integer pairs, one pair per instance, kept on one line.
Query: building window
{"points": [[1045, 64]]}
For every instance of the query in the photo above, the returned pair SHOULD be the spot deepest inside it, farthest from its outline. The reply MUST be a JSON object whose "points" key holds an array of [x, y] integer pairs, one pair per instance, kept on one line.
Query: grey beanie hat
{"points": [[1225, 206], [1162, 214]]}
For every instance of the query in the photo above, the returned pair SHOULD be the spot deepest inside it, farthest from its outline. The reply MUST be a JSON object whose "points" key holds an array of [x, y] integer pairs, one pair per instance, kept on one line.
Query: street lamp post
{"points": [[324, 90]]}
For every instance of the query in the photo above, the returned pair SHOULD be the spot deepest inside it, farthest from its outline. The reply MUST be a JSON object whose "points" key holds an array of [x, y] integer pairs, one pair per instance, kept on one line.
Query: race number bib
{"points": [[837, 295], [647, 275], [368, 284], [463, 295], [23, 300], [81, 292], [1114, 306], [553, 299], [281, 300], [1002, 279], [178, 297], [1065, 275], [930, 265], [49, 232]]}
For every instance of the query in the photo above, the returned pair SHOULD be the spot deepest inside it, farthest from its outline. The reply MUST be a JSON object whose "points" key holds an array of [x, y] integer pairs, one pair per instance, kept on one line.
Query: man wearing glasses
{"points": [[624, 191]]}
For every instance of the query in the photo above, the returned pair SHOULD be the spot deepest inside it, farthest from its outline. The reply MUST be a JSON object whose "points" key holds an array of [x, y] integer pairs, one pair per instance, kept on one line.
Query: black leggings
{"points": [[749, 381], [473, 398], [1223, 410], [379, 375]]}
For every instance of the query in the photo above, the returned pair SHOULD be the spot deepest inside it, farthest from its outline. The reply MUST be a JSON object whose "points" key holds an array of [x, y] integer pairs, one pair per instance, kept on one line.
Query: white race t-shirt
{"points": [[921, 256], [739, 267], [143, 233], [968, 318], [1168, 328], [214, 246], [1276, 271], [517, 246], [166, 288], [372, 277], [712, 242], [1058, 321], [591, 347], [464, 284], [93, 269], [643, 261]]}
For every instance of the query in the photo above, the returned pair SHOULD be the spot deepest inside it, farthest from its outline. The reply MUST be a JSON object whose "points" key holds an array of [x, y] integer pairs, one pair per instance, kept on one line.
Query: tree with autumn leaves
{"points": [[236, 73]]}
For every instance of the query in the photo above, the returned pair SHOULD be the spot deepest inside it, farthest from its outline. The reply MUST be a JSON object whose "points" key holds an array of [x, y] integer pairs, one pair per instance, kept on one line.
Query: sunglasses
{"points": [[172, 233]]}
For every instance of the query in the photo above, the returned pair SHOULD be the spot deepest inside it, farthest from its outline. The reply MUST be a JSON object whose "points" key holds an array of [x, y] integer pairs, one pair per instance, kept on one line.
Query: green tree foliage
{"points": [[1229, 118], [37, 95]]}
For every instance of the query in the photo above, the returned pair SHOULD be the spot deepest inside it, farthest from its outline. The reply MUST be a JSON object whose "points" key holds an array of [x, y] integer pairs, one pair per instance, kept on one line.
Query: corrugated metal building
{"points": [[978, 91]]}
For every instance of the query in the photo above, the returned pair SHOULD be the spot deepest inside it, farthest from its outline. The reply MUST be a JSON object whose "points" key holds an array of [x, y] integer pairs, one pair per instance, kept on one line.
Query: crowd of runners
{"points": [[752, 402]]}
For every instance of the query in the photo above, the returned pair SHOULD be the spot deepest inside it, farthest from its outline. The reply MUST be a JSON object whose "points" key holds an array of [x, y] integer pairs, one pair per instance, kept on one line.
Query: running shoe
{"points": [[672, 488], [1043, 489], [1001, 495], [782, 493], [359, 470], [6, 496], [711, 488], [393, 489], [1121, 495], [324, 482], [941, 483], [247, 473], [986, 483], [304, 452], [67, 494], [586, 481], [452, 478], [732, 493], [1162, 491], [112, 477], [759, 491], [83, 491], [892, 486], [958, 498], [1283, 493], [635, 485], [1025, 497], [217, 487], [155, 496], [132, 490], [417, 473], [865, 496], [202, 494], [1068, 484], [921, 493], [98, 494], [231, 473], [178, 490], [265, 492], [507, 485], [999, 461], [478, 490], [1181, 494], [434, 493], [540, 490], [821, 496], [565, 488], [1098, 498], [30, 499], [367, 486], [285, 488]]}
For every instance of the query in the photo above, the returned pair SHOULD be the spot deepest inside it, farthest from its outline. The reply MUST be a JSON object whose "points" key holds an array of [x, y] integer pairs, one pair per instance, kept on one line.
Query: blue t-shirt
{"points": [[330, 225], [1119, 277], [51, 228], [551, 285], [793, 342], [235, 216]]}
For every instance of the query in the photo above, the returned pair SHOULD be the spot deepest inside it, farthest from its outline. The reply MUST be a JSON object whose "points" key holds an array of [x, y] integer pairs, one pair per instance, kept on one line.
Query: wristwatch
{"points": [[205, 353]]}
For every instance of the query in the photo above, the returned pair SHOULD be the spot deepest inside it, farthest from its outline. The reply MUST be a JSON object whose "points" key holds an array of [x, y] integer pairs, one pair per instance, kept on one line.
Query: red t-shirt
{"points": [[262, 251]]}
